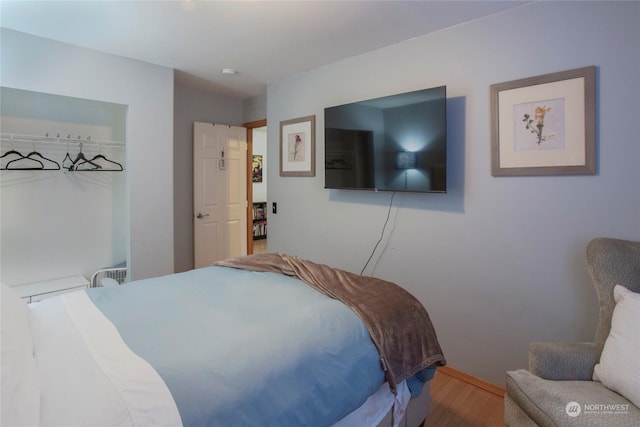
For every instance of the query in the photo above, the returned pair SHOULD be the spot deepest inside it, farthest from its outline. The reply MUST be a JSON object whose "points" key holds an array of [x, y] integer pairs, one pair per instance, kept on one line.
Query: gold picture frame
{"points": [[544, 125], [298, 147]]}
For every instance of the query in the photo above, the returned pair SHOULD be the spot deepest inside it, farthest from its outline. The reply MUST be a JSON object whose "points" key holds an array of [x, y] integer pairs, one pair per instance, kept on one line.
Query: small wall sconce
{"points": [[405, 160]]}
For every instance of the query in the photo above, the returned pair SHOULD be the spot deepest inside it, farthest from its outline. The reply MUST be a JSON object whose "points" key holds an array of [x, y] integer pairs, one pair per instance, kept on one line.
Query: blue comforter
{"points": [[241, 348]]}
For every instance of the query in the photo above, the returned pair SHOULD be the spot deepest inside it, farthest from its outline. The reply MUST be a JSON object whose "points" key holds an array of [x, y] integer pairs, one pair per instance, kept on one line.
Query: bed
{"points": [[266, 339]]}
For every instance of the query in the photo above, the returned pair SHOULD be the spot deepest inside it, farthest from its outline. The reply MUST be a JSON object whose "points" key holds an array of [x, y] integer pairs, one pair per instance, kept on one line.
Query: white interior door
{"points": [[220, 192]]}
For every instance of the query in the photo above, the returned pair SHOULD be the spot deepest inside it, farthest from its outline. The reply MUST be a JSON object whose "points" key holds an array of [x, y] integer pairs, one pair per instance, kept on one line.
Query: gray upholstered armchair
{"points": [[561, 373]]}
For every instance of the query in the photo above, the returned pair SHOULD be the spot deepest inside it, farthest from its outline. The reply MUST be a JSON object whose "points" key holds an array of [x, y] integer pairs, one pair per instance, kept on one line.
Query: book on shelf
{"points": [[259, 229], [259, 211]]}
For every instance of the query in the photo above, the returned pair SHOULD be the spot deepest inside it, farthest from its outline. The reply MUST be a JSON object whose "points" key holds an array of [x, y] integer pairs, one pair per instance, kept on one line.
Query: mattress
{"points": [[90, 377], [213, 346]]}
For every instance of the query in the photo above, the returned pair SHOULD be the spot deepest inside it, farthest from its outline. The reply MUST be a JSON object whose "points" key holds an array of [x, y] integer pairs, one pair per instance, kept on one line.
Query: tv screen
{"points": [[393, 143]]}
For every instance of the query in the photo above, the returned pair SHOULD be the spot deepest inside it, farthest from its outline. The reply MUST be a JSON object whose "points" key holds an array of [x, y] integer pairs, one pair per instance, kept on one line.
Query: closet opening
{"points": [[68, 218]]}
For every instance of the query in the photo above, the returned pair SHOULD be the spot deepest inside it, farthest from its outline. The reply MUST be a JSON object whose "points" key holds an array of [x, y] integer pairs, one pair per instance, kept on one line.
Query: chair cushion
{"points": [[514, 416], [618, 368], [569, 403]]}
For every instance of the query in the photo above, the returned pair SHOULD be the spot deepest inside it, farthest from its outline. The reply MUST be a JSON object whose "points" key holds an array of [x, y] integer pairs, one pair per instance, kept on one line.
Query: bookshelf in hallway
{"points": [[259, 220]]}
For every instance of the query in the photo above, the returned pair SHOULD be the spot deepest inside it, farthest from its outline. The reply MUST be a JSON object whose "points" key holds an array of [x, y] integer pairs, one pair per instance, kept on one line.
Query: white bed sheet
{"points": [[90, 377]]}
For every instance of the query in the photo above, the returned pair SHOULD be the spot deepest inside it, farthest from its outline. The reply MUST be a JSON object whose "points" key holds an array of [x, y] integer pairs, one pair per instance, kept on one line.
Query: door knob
{"points": [[200, 216]]}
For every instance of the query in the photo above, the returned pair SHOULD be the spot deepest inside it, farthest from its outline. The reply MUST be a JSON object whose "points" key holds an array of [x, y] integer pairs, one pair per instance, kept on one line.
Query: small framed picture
{"points": [[298, 147], [256, 170], [544, 125]]}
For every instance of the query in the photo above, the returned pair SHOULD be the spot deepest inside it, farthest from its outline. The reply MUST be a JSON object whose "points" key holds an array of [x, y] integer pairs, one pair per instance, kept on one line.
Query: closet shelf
{"points": [[14, 137]]}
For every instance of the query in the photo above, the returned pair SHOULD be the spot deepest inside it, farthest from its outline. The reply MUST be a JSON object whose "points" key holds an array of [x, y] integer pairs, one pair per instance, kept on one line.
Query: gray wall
{"points": [[254, 109], [498, 262], [192, 105]]}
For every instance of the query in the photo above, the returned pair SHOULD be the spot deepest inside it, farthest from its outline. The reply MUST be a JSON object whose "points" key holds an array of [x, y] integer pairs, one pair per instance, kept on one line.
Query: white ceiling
{"points": [[263, 40]]}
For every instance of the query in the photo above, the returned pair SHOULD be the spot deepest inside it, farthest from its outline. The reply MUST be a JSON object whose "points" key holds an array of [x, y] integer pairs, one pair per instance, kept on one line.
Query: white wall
{"points": [[260, 148], [193, 105], [41, 65], [498, 262]]}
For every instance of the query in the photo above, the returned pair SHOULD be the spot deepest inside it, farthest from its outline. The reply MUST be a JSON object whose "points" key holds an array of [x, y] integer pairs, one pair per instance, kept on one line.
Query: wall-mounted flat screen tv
{"points": [[393, 143]]}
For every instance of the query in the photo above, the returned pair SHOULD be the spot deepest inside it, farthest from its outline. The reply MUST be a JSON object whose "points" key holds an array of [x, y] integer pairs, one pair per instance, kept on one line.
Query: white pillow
{"points": [[619, 367], [20, 378]]}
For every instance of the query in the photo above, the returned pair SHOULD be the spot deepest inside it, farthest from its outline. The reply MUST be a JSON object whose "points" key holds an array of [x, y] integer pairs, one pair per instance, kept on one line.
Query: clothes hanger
{"points": [[117, 166], [22, 157], [25, 168], [80, 159], [34, 153], [67, 157], [34, 156], [12, 151], [8, 153]]}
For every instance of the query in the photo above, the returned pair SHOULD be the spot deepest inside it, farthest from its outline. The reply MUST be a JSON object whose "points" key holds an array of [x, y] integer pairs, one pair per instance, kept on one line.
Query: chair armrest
{"points": [[563, 360]]}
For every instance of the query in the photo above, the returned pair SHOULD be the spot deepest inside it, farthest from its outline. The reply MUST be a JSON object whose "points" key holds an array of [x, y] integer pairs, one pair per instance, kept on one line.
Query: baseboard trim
{"points": [[475, 381]]}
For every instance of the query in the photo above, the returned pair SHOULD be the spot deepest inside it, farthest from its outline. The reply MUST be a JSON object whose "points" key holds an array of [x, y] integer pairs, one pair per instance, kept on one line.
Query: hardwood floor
{"points": [[458, 403], [260, 246]]}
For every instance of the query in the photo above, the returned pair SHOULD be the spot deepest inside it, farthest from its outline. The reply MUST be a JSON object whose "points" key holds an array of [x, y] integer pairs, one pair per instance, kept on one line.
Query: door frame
{"points": [[250, 127]]}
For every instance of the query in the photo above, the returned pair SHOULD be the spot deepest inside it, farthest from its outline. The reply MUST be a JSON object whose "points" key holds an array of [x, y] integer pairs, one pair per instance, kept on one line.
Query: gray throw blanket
{"points": [[397, 322]]}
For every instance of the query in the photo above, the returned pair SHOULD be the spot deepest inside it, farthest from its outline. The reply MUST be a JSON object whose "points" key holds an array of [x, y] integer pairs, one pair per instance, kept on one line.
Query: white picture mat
{"points": [[573, 153], [291, 129]]}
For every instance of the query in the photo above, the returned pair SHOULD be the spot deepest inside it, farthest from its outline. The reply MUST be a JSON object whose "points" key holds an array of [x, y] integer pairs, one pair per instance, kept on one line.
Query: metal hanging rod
{"points": [[14, 137]]}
